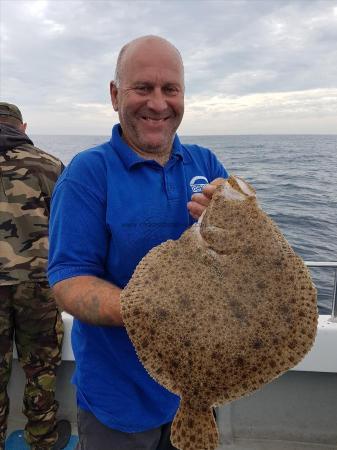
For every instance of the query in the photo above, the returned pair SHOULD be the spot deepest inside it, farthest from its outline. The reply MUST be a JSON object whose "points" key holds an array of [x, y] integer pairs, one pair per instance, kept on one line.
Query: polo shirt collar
{"points": [[130, 158]]}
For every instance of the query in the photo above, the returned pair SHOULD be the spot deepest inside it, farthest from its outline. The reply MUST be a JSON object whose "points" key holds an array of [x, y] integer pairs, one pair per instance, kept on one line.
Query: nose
{"points": [[157, 100]]}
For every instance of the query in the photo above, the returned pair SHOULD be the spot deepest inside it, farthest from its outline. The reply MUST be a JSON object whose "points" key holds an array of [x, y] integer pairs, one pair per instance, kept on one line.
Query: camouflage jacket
{"points": [[27, 179]]}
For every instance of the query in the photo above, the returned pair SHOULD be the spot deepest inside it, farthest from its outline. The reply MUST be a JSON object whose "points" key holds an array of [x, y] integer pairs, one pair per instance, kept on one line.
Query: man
{"points": [[110, 207], [27, 308]]}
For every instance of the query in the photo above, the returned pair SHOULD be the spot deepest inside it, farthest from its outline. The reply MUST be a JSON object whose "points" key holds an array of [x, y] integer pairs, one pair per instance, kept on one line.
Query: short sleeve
{"points": [[78, 236]]}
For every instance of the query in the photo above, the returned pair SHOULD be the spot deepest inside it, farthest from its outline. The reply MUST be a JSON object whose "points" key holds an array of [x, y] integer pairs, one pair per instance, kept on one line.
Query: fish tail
{"points": [[194, 429]]}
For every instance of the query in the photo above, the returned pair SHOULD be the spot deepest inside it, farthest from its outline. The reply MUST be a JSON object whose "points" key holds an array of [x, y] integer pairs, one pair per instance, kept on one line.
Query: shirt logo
{"points": [[198, 183]]}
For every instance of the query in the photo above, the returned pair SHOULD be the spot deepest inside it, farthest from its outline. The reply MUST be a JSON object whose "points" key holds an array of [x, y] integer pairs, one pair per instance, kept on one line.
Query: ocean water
{"points": [[294, 177]]}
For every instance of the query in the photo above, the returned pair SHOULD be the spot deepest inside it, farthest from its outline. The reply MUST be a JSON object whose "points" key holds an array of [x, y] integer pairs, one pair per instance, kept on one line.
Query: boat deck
{"points": [[297, 411], [249, 444]]}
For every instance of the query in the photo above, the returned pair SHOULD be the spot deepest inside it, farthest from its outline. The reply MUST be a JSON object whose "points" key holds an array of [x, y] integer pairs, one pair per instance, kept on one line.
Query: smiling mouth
{"points": [[154, 120]]}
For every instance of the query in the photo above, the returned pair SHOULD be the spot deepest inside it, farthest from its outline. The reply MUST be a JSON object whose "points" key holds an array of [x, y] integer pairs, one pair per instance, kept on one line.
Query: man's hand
{"points": [[199, 202]]}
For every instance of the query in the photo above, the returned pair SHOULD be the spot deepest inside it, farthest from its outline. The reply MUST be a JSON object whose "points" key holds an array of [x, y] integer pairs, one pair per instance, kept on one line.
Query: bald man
{"points": [[113, 204]]}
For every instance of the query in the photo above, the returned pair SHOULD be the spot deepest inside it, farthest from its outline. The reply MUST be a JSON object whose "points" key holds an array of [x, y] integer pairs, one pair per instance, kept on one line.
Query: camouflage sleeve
{"points": [[48, 180]]}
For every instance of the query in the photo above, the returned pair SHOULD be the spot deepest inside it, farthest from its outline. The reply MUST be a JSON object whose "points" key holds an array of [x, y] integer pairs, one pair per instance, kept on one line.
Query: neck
{"points": [[161, 157]]}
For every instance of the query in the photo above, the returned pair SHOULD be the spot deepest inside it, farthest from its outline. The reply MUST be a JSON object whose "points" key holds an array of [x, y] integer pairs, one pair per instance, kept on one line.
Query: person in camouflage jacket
{"points": [[27, 309]]}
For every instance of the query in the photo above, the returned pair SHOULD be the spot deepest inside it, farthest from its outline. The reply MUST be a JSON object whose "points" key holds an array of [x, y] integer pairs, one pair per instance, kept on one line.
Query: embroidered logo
{"points": [[198, 183]]}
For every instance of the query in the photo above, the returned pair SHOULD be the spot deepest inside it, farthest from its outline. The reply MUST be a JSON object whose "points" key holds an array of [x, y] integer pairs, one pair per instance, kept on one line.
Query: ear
{"points": [[114, 95]]}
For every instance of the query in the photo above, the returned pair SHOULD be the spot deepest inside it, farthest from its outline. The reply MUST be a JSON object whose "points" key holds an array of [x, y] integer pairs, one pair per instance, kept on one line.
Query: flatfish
{"points": [[221, 311]]}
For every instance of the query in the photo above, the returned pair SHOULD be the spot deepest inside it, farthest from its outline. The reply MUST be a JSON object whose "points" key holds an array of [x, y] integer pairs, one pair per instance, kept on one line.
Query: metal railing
{"points": [[332, 265]]}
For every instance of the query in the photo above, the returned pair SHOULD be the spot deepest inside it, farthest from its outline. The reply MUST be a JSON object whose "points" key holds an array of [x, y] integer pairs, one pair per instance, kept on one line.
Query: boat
{"points": [[296, 411]]}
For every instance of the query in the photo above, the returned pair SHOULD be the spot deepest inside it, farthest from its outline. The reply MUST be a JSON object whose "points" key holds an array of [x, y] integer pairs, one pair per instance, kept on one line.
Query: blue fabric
{"points": [[109, 208]]}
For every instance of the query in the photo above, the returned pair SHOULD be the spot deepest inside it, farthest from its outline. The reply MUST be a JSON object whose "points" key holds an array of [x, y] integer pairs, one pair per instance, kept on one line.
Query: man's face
{"points": [[150, 98]]}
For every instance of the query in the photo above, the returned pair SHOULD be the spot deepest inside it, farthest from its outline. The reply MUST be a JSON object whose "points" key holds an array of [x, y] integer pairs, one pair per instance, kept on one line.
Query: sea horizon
{"points": [[194, 135]]}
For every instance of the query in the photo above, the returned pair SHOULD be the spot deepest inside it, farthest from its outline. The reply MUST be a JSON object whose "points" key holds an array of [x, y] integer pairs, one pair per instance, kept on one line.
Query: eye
{"points": [[142, 89], [171, 90]]}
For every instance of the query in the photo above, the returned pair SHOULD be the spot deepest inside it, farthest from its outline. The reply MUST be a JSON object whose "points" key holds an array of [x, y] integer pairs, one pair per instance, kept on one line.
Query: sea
{"points": [[294, 177]]}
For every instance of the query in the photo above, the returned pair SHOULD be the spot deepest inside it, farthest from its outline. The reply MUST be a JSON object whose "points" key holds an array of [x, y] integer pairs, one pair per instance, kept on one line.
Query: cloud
{"points": [[266, 113], [60, 55]]}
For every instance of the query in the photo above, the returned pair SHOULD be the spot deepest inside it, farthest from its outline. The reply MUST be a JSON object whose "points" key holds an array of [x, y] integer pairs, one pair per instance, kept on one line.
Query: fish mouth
{"points": [[235, 188], [241, 186]]}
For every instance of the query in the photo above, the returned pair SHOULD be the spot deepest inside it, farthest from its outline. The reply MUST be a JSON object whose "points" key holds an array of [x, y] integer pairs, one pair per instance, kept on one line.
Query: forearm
{"points": [[90, 299]]}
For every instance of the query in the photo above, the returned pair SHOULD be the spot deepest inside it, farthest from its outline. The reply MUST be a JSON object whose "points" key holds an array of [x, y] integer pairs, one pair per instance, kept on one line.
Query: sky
{"points": [[251, 66]]}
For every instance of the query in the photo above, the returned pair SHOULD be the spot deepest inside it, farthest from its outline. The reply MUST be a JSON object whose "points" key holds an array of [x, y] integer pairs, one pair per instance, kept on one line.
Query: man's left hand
{"points": [[199, 202]]}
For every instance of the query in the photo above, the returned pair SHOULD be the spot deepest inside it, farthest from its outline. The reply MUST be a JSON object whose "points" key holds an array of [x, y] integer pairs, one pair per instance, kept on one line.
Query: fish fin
{"points": [[194, 429]]}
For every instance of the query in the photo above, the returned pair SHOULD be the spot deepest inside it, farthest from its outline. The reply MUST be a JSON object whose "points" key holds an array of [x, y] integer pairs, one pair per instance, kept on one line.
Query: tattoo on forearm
{"points": [[93, 305]]}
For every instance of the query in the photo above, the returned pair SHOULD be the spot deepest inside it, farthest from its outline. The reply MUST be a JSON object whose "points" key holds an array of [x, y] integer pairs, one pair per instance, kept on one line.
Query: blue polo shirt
{"points": [[109, 208]]}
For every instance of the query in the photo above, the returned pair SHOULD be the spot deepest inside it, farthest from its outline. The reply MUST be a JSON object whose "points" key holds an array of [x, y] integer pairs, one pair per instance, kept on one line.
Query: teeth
{"points": [[152, 119]]}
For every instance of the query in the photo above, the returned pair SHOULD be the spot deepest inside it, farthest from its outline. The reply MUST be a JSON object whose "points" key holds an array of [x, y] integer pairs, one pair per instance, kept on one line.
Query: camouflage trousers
{"points": [[29, 315]]}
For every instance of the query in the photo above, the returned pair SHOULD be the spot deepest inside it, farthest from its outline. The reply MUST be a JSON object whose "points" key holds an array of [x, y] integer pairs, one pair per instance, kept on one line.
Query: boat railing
{"points": [[331, 265]]}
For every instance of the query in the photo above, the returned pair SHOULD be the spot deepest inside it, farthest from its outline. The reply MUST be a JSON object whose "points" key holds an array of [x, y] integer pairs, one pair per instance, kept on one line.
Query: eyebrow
{"points": [[149, 83]]}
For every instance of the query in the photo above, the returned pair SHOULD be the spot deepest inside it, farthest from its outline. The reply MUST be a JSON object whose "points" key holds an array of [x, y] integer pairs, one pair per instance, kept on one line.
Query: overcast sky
{"points": [[251, 66]]}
